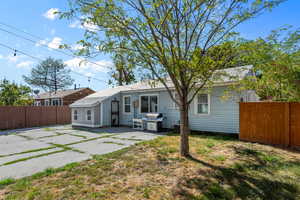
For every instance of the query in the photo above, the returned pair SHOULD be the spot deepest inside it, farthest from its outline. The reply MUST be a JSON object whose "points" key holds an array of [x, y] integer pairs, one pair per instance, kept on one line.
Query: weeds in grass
{"points": [[6, 181], [220, 158]]}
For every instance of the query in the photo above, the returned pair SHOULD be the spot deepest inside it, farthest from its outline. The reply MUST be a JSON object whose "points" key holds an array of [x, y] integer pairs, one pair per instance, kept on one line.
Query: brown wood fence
{"points": [[275, 123], [13, 117]]}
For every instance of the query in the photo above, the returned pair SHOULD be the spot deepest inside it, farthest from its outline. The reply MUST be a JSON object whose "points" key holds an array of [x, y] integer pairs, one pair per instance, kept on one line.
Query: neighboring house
{"points": [[62, 97], [208, 111]]}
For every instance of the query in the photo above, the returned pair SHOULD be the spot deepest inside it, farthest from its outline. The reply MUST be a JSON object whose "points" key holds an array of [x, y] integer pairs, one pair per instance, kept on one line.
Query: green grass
{"points": [[111, 142], [6, 181]]}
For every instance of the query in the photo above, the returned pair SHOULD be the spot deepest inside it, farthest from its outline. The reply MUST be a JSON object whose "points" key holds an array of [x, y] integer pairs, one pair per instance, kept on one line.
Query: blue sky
{"points": [[31, 16]]}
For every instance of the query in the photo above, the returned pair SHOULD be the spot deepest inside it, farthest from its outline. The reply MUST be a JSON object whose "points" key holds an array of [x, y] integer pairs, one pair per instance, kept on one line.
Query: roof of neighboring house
{"points": [[225, 76], [58, 94]]}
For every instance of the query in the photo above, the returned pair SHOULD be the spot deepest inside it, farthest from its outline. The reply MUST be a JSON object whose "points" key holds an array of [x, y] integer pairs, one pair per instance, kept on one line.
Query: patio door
{"points": [[115, 120]]}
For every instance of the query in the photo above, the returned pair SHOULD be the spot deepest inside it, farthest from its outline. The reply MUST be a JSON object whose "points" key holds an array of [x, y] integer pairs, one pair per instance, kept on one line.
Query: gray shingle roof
{"points": [[224, 76]]}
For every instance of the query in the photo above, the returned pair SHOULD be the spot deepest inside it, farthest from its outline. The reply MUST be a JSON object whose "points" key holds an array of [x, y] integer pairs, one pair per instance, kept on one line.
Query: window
{"points": [[127, 104], [75, 115], [37, 103], [202, 104], [47, 102], [149, 104], [89, 115], [56, 102]]}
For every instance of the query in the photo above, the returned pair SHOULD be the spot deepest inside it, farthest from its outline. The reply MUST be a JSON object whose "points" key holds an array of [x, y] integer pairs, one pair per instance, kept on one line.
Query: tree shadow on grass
{"points": [[217, 182]]}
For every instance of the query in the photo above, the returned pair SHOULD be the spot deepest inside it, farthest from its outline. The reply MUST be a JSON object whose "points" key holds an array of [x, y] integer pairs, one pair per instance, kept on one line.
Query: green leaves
{"points": [[50, 75], [277, 59], [12, 94]]}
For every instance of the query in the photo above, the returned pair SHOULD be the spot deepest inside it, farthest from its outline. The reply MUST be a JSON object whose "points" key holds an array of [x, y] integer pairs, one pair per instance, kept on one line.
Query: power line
{"points": [[43, 45], [22, 52], [39, 59]]}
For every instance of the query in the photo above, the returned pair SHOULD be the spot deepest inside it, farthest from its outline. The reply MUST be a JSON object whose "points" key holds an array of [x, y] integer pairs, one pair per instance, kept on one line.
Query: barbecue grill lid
{"points": [[154, 115]]}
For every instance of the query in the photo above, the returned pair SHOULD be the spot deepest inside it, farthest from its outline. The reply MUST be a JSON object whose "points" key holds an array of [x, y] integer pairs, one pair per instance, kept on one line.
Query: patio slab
{"points": [[32, 166], [99, 147], [87, 135], [30, 140], [138, 135], [38, 133], [61, 139], [26, 155], [20, 146]]}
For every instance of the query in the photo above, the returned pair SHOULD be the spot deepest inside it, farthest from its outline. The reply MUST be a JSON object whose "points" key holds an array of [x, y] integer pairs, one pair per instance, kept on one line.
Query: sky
{"points": [[37, 17]]}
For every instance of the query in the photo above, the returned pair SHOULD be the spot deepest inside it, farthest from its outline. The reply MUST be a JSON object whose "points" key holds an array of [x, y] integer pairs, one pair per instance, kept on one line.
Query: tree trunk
{"points": [[184, 128]]}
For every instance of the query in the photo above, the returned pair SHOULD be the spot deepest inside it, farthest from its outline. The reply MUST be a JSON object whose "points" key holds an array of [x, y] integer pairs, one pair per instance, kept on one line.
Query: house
{"points": [[62, 97], [208, 111]]}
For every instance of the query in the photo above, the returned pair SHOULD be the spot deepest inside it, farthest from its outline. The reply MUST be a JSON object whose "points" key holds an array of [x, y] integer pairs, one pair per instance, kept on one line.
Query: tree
{"points": [[12, 94], [122, 73], [50, 75], [172, 40], [276, 61]]}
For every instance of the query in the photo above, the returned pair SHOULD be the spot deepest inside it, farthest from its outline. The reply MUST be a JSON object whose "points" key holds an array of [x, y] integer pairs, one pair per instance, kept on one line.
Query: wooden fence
{"points": [[13, 117], [275, 123]]}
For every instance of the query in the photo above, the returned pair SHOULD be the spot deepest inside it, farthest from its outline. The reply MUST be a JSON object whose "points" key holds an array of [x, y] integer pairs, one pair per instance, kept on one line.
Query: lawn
{"points": [[221, 168]]}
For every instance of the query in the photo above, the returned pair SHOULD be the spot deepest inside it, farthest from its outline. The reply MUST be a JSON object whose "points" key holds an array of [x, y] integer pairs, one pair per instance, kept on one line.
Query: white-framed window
{"points": [[148, 103], [89, 115], [176, 96], [202, 104], [37, 103], [127, 104], [75, 115]]}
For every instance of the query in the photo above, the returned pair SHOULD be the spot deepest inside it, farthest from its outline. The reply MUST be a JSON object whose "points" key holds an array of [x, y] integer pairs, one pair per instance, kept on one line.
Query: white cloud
{"points": [[1, 56], [25, 64], [84, 24], [79, 65], [77, 47], [41, 42], [51, 13], [55, 43]]}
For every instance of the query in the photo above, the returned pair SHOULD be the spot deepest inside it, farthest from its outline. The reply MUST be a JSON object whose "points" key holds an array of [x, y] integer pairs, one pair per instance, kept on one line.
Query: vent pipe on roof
{"points": [[74, 86]]}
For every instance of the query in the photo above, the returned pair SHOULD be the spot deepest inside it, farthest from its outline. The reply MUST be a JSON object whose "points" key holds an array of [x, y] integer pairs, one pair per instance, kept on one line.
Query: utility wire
{"points": [[44, 45], [39, 59], [22, 52]]}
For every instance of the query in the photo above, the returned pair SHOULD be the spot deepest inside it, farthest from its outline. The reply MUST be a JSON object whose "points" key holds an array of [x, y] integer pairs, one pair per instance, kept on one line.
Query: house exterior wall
{"points": [[223, 116], [106, 121], [82, 117]]}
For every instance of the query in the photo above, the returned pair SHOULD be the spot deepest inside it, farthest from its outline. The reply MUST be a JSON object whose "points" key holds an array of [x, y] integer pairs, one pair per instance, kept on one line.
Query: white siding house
{"points": [[208, 111]]}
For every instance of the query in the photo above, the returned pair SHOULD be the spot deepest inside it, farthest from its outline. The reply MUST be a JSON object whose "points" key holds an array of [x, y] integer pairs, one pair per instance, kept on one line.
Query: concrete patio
{"points": [[26, 152]]}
